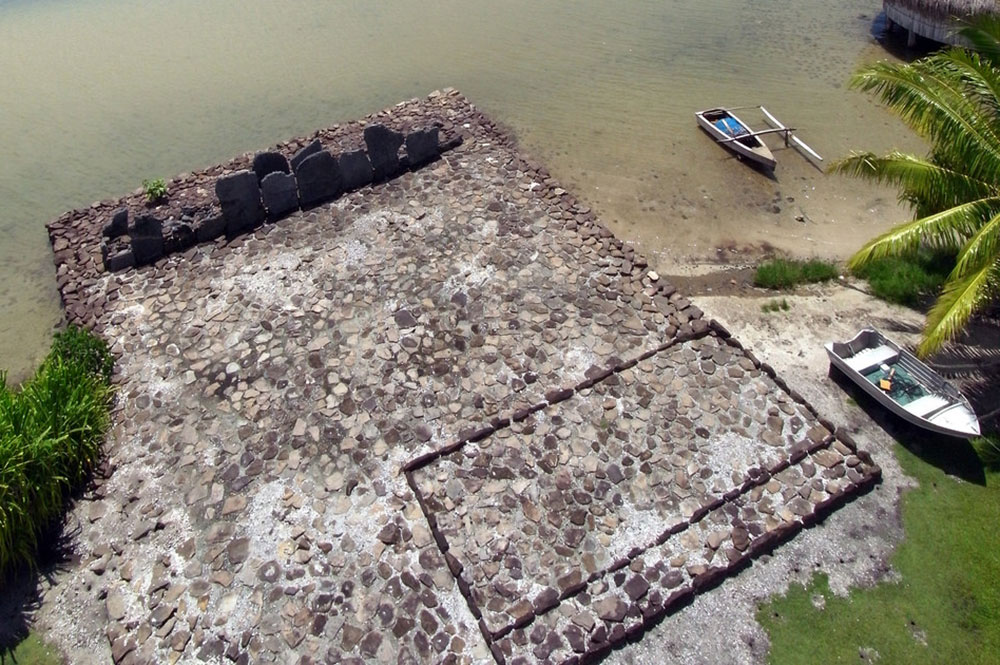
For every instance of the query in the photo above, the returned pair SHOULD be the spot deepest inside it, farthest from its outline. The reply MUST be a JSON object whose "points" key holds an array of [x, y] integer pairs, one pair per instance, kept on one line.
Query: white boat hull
{"points": [[939, 407]]}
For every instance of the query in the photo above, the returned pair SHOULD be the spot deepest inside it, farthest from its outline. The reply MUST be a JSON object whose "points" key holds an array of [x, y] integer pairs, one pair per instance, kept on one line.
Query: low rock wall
{"points": [[225, 201], [272, 188]]}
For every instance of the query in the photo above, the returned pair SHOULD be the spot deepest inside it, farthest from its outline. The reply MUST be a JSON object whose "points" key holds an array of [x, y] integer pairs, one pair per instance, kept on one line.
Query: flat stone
{"points": [[611, 608], [636, 587], [234, 504], [238, 550], [115, 605]]}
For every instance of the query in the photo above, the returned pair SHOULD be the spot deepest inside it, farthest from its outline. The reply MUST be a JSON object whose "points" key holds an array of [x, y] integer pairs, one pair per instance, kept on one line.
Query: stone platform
{"points": [[447, 418]]}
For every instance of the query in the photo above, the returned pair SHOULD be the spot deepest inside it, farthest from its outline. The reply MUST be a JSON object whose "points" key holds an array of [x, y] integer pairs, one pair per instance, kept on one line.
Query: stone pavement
{"points": [[447, 418]]}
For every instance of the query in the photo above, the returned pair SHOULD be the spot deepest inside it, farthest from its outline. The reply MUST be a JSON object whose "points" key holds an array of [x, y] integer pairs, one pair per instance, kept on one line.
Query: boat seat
{"points": [[928, 405], [866, 360]]}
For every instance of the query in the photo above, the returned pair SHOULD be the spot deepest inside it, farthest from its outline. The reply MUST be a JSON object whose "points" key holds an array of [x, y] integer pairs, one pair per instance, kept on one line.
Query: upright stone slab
{"points": [[118, 226], [305, 153], [178, 235], [319, 179], [210, 226], [146, 233], [383, 150], [423, 146], [117, 253], [239, 196], [265, 163], [280, 194], [355, 169]]}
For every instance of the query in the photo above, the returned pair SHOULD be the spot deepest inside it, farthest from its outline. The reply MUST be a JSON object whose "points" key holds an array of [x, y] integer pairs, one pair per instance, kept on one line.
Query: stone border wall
{"points": [[633, 617]]}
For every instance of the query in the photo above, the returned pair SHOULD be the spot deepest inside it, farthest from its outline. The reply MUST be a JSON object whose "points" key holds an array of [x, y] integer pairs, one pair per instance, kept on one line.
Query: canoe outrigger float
{"points": [[898, 380], [728, 130]]}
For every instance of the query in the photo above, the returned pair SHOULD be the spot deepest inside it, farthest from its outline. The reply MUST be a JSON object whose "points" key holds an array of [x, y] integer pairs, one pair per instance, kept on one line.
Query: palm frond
{"points": [[948, 229], [959, 300], [983, 32], [982, 248], [929, 186], [930, 96]]}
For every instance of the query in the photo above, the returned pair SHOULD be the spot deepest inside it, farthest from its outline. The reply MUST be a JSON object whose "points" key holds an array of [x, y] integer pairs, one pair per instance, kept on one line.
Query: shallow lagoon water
{"points": [[100, 94]]}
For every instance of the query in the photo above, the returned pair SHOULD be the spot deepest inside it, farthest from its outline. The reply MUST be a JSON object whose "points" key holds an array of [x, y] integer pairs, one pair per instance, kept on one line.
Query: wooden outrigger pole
{"points": [[788, 134], [778, 128]]}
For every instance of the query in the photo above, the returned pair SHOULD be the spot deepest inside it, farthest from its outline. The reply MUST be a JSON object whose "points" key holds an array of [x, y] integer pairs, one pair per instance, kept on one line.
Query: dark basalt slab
{"points": [[356, 169], [422, 146], [239, 197], [318, 179], [305, 153], [383, 150], [146, 232], [266, 163], [280, 194]]}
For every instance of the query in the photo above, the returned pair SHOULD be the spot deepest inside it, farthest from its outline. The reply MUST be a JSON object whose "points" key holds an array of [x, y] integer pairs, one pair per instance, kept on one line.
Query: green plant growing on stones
{"points": [[156, 189], [51, 431]]}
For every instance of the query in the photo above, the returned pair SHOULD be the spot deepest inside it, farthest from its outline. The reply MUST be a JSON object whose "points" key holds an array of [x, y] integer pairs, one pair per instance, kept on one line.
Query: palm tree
{"points": [[951, 98]]}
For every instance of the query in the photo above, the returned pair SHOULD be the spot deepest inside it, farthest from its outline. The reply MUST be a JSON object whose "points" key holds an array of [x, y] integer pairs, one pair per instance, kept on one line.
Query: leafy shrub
{"points": [[775, 306], [156, 189], [988, 449], [815, 270], [786, 274], [51, 432], [908, 281]]}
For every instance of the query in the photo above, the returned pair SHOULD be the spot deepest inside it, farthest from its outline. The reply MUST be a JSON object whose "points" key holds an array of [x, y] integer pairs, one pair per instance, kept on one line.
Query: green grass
{"points": [[945, 608], [51, 431], [775, 306], [909, 281], [31, 651], [787, 274]]}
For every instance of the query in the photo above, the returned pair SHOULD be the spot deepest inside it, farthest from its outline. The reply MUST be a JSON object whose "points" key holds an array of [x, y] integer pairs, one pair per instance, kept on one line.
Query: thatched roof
{"points": [[944, 9]]}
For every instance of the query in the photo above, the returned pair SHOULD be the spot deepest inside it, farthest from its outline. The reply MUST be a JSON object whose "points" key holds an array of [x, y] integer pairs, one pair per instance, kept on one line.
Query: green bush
{"points": [[51, 432], [155, 189], [775, 306], [988, 449], [909, 281], [786, 274]]}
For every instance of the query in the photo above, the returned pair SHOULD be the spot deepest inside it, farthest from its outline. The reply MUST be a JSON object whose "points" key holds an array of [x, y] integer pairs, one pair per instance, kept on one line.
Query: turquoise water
{"points": [[99, 94]]}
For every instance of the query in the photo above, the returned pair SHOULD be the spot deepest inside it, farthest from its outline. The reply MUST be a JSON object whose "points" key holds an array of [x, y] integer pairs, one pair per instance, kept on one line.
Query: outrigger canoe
{"points": [[898, 380], [726, 128]]}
